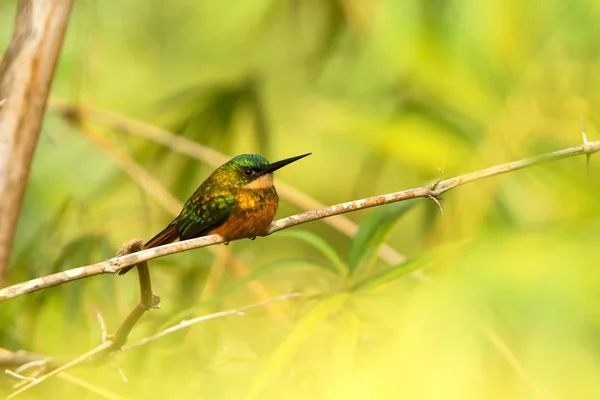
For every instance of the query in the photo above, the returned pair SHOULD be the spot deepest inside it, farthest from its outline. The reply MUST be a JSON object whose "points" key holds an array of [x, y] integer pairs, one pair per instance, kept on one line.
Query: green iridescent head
{"points": [[245, 169]]}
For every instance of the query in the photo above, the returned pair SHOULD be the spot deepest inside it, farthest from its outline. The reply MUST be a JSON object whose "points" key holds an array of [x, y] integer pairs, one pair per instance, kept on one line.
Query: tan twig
{"points": [[112, 343], [115, 264], [24, 380], [115, 364], [513, 361], [33, 364], [18, 376], [147, 299], [86, 385], [40, 365], [187, 323], [437, 202], [102, 324], [109, 345], [209, 156], [136, 172], [36, 381]]}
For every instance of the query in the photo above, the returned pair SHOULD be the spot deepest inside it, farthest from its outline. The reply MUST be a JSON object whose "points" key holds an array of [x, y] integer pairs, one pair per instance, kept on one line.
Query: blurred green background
{"points": [[387, 95]]}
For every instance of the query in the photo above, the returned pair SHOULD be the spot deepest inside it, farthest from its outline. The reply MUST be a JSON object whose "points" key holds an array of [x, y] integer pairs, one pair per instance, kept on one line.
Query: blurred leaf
{"points": [[280, 359], [209, 114], [387, 277], [413, 100], [240, 283], [392, 275], [261, 126], [372, 233], [334, 28], [39, 242], [339, 267]]}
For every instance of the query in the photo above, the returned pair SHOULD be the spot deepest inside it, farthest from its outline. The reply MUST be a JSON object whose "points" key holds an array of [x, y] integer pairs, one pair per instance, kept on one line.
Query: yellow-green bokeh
{"points": [[387, 95]]}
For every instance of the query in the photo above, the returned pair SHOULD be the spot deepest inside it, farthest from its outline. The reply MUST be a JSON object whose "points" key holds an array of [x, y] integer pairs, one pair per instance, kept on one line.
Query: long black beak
{"points": [[276, 165]]}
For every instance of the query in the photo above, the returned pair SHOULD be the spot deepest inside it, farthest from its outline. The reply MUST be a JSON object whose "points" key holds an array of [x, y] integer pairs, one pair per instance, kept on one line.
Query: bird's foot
{"points": [[253, 237], [227, 243]]}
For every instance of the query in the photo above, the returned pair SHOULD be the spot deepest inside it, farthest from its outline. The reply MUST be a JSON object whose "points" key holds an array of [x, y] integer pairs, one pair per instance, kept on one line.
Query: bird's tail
{"points": [[167, 235]]}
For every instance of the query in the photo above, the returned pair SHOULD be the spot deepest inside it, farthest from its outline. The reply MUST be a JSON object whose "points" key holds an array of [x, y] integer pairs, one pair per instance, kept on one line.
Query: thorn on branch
{"points": [[585, 141], [435, 184], [437, 202], [586, 148]]}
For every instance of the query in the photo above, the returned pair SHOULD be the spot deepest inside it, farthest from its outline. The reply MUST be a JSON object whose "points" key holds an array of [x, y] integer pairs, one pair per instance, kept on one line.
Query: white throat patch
{"points": [[262, 182]]}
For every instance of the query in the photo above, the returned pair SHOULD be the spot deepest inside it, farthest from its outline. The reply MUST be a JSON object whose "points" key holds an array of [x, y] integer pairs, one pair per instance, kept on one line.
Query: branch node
{"points": [[435, 184], [437, 202], [587, 149], [155, 302], [2, 102]]}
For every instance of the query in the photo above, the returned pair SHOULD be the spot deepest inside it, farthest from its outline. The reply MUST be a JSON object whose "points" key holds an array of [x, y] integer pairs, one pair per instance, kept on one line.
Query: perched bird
{"points": [[238, 200]]}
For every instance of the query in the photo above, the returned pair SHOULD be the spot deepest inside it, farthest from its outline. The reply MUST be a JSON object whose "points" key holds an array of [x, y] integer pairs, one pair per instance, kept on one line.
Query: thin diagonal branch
{"points": [[109, 344], [187, 323], [36, 381], [515, 364], [121, 123], [115, 264], [24, 380], [135, 171], [86, 385]]}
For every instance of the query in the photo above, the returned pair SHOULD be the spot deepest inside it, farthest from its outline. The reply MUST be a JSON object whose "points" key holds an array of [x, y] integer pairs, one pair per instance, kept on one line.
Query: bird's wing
{"points": [[204, 211]]}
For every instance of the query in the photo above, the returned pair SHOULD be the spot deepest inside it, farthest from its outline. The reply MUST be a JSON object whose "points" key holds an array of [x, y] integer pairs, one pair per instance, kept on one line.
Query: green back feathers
{"points": [[214, 200]]}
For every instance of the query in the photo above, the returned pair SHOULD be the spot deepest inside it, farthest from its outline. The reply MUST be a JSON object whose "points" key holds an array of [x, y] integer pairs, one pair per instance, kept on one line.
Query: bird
{"points": [[238, 200]]}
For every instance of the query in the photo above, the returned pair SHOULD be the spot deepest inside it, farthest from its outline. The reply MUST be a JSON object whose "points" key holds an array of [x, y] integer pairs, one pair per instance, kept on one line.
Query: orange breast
{"points": [[251, 217]]}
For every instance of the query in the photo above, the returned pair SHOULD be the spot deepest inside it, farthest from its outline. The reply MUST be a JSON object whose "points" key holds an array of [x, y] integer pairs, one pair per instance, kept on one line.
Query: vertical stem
{"points": [[147, 299], [25, 78]]}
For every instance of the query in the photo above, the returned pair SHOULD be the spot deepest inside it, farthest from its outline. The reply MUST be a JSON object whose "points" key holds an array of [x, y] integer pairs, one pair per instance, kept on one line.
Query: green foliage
{"points": [[373, 232], [387, 95], [318, 243], [383, 279]]}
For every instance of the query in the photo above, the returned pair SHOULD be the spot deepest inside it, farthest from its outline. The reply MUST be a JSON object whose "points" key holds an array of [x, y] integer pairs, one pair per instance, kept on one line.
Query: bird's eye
{"points": [[248, 172]]}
